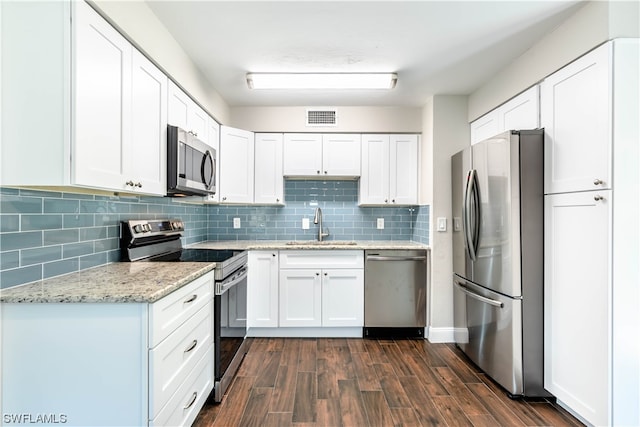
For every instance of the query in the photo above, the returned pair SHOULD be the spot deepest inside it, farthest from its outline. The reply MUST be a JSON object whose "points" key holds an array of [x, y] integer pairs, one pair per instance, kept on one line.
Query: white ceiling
{"points": [[436, 47]]}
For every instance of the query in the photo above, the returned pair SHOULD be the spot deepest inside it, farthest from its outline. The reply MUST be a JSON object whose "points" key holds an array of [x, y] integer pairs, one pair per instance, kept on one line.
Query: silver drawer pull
{"points": [[192, 299], [192, 401], [192, 346], [598, 198], [598, 181]]}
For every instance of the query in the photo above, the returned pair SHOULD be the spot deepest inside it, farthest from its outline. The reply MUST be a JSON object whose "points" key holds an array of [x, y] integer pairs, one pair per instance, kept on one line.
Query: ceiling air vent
{"points": [[322, 117]]}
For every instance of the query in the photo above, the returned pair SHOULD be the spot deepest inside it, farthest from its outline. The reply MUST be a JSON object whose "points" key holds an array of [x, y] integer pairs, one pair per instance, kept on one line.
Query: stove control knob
{"points": [[146, 227], [137, 228]]}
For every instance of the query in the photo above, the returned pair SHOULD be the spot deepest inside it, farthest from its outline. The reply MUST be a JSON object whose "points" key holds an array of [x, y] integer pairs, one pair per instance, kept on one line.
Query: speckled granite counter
{"points": [[327, 244], [111, 283]]}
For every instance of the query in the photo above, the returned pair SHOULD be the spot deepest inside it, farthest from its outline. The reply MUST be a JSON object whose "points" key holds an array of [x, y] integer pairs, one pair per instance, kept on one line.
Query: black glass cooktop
{"points": [[197, 255]]}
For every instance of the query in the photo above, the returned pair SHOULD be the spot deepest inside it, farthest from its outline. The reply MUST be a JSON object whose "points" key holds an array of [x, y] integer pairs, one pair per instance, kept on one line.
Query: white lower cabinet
{"points": [[306, 293], [151, 364], [262, 290], [577, 324]]}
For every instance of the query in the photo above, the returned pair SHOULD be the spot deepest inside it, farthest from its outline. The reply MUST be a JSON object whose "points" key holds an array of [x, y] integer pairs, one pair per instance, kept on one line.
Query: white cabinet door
{"points": [[343, 297], [302, 154], [521, 112], [576, 116], [236, 165], [403, 171], [577, 301], [262, 289], [269, 181], [238, 306], [178, 107], [300, 297], [374, 181], [102, 95], [147, 163], [341, 155], [186, 114]]}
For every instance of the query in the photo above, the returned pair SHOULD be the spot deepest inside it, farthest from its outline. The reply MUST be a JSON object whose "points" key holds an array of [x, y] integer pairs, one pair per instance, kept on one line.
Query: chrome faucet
{"points": [[317, 219]]}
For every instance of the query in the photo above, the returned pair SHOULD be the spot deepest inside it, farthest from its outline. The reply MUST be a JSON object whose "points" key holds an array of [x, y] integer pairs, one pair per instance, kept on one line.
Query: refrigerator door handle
{"points": [[473, 295], [471, 214]]}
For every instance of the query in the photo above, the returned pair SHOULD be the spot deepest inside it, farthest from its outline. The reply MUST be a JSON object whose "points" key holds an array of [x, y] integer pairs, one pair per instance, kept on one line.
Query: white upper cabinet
{"points": [[149, 126], [236, 165], [101, 107], [269, 182], [341, 154], [186, 114], [331, 155], [521, 112], [576, 116], [120, 111], [102, 94], [389, 170], [302, 154]]}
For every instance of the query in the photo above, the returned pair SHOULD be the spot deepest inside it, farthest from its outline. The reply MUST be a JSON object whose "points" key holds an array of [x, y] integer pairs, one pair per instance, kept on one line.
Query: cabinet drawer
{"points": [[184, 405], [322, 259], [167, 314], [172, 360]]}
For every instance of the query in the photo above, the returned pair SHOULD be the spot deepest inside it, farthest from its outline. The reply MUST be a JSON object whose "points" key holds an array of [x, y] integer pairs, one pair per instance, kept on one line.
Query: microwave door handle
{"points": [[207, 180]]}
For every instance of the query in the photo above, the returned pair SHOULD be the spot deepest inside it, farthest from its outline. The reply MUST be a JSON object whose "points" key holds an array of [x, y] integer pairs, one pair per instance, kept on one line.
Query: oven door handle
{"points": [[238, 276]]}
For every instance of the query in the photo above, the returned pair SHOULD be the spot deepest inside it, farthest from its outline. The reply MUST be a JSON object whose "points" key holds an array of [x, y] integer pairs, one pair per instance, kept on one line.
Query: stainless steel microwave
{"points": [[191, 164]]}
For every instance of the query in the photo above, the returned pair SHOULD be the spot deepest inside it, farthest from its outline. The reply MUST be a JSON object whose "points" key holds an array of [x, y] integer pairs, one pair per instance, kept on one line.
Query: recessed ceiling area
{"points": [[435, 47]]}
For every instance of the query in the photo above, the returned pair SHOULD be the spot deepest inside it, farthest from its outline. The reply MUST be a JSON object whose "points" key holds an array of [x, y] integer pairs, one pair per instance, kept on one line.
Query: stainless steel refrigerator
{"points": [[497, 202]]}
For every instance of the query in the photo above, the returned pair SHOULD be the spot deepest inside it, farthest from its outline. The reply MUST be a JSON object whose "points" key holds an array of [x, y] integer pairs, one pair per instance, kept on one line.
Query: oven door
{"points": [[230, 328], [191, 164]]}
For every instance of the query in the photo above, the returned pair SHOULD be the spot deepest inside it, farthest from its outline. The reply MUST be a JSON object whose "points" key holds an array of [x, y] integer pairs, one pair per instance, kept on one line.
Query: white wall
{"points": [[349, 119], [592, 25], [141, 26], [446, 132]]}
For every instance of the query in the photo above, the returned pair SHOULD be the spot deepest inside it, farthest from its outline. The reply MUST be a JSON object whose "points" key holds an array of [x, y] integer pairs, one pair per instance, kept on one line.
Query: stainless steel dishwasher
{"points": [[395, 293]]}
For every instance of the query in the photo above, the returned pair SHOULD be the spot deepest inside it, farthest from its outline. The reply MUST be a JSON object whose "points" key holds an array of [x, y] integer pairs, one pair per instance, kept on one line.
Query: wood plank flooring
{"points": [[354, 382]]}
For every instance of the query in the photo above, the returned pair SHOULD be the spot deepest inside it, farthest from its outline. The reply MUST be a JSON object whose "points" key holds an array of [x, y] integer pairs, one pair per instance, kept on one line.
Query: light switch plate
{"points": [[380, 224], [236, 222], [457, 223], [442, 224], [305, 223]]}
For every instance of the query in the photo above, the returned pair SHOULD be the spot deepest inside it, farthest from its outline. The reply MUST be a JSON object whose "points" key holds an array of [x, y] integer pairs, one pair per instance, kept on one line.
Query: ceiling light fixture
{"points": [[321, 80]]}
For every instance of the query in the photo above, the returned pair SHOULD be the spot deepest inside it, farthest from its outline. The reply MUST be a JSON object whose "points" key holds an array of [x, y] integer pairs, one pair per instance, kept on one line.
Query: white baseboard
{"points": [[441, 335]]}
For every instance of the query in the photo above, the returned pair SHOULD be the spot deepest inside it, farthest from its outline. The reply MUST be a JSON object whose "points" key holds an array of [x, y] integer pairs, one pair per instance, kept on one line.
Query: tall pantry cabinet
{"points": [[589, 110]]}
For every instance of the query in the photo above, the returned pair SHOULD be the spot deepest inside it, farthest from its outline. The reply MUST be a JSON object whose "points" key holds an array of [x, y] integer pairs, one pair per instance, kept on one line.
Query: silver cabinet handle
{"points": [[598, 198], [386, 200], [473, 295], [192, 401], [318, 172], [138, 184], [325, 172], [598, 181], [129, 183], [192, 299], [192, 346]]}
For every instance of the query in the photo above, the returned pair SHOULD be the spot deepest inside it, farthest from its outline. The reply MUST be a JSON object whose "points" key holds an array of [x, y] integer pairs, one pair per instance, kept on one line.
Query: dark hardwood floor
{"points": [[356, 382]]}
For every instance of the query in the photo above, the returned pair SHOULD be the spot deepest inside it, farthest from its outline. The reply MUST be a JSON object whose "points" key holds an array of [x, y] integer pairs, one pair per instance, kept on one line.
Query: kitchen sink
{"points": [[323, 243]]}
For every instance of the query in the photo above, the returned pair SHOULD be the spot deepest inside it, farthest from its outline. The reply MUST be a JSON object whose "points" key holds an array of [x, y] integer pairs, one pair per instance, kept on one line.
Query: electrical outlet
{"points": [[442, 224], [305, 223], [236, 222], [380, 224]]}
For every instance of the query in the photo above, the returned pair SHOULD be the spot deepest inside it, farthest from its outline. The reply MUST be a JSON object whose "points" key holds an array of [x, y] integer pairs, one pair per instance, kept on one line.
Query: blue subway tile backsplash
{"points": [[45, 234]]}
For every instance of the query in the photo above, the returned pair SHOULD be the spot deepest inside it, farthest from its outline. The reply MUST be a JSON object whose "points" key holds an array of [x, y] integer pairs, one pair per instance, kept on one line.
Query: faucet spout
{"points": [[317, 219]]}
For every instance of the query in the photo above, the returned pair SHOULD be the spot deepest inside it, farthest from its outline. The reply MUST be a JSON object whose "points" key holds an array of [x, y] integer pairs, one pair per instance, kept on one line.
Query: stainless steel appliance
{"points": [[191, 164], [497, 203], [395, 293], [159, 241]]}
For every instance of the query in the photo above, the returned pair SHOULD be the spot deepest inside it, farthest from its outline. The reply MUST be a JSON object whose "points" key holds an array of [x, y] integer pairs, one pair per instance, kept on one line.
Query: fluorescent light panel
{"points": [[321, 80]]}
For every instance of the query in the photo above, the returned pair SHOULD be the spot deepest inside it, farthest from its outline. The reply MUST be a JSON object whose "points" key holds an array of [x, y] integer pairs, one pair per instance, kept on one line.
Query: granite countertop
{"points": [[122, 282], [309, 244]]}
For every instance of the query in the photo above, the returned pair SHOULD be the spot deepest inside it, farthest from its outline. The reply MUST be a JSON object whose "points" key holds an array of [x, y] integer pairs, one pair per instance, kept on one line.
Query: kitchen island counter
{"points": [[121, 282]]}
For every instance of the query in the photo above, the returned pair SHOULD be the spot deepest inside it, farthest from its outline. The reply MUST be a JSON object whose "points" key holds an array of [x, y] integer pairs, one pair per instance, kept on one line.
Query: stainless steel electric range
{"points": [[159, 241]]}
